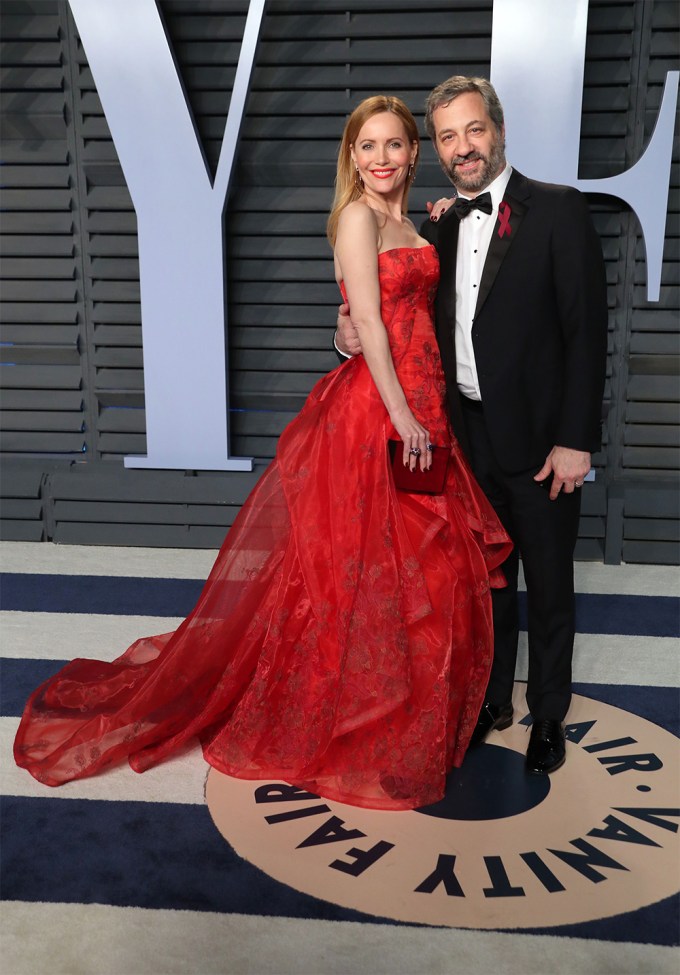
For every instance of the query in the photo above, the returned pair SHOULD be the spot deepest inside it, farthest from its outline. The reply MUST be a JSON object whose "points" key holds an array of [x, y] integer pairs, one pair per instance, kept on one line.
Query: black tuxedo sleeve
{"points": [[581, 292], [428, 230]]}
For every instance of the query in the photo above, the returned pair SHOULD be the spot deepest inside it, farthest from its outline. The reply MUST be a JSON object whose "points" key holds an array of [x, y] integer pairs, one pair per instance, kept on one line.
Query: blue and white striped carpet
{"points": [[127, 874]]}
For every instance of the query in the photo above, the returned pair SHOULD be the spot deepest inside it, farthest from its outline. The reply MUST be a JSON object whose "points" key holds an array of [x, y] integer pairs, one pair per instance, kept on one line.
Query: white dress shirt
{"points": [[474, 237]]}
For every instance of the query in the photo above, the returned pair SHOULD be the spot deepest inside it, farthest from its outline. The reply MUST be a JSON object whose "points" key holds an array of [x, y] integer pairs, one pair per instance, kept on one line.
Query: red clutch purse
{"points": [[418, 482]]}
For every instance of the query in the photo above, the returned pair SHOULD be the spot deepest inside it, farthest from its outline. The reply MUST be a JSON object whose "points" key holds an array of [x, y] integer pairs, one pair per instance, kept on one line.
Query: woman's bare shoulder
{"points": [[358, 216]]}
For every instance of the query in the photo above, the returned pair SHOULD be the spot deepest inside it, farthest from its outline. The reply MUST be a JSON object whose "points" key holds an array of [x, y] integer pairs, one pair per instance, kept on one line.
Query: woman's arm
{"points": [[356, 251]]}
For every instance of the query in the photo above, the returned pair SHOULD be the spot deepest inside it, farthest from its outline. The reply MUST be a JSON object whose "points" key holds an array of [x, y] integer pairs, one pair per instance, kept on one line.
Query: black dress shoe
{"points": [[492, 716], [546, 751]]}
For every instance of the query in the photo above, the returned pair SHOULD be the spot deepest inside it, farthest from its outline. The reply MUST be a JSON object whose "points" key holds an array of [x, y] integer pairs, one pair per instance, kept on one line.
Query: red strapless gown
{"points": [[343, 639]]}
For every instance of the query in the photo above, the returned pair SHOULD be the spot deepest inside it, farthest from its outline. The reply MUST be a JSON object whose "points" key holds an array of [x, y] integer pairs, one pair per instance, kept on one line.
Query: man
{"points": [[521, 321]]}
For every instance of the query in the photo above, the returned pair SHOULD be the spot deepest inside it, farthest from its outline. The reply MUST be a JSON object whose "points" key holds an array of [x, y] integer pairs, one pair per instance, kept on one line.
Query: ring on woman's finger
{"points": [[430, 447], [415, 451]]}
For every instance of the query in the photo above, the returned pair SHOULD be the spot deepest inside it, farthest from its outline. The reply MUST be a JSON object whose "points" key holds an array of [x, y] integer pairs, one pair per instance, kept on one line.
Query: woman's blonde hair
{"points": [[346, 189]]}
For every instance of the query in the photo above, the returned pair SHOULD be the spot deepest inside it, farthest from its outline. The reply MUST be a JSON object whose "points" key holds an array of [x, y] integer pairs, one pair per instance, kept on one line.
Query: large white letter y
{"points": [[179, 222]]}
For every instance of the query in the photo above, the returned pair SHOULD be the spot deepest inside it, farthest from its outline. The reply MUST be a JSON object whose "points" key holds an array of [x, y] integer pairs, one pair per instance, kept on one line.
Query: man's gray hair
{"points": [[458, 85]]}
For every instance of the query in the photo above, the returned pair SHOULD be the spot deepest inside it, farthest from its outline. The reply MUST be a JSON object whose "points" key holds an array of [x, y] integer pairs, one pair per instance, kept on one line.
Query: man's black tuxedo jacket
{"points": [[540, 325]]}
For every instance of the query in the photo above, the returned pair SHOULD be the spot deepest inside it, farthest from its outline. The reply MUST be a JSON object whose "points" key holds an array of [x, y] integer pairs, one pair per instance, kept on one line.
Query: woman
{"points": [[343, 639]]}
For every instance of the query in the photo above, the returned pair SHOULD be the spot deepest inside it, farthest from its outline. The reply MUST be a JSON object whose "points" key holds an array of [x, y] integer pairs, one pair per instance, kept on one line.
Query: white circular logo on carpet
{"points": [[503, 849]]}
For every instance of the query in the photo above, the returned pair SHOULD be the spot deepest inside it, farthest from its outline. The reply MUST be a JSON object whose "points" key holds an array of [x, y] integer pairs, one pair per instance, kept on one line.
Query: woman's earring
{"points": [[411, 175], [358, 181]]}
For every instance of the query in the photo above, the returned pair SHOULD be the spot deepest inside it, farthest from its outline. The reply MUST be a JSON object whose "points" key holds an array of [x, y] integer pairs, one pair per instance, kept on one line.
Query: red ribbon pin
{"points": [[504, 212]]}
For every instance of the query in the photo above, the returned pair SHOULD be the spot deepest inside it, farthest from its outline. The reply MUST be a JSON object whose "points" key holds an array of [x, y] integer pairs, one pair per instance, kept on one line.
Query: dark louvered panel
{"points": [[611, 50], [40, 355], [20, 502], [652, 422], [25, 497], [651, 522], [643, 432], [112, 506], [606, 119], [112, 272], [592, 526], [651, 433]]}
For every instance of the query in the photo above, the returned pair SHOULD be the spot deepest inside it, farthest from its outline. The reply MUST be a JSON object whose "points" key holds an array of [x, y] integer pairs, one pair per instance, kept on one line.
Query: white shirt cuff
{"points": [[345, 355]]}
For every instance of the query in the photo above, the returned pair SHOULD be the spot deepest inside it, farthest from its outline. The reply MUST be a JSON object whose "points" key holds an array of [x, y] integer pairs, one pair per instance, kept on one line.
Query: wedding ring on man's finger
{"points": [[415, 451]]}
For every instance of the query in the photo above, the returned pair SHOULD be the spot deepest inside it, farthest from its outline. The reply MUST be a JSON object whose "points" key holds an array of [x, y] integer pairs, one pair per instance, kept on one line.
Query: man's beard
{"points": [[492, 165]]}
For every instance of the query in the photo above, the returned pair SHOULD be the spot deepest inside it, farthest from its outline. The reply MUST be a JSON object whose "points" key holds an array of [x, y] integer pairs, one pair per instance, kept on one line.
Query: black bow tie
{"points": [[462, 207]]}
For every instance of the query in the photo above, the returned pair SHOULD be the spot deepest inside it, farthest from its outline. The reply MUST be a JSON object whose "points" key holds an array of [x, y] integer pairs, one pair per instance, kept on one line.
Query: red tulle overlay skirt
{"points": [[342, 641]]}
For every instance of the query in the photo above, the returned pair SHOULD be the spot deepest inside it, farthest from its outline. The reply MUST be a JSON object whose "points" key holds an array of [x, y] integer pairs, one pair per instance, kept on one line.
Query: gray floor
{"points": [[65, 939]]}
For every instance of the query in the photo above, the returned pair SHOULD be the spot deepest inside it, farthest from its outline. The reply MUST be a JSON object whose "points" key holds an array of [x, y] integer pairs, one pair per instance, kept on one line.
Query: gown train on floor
{"points": [[343, 639]]}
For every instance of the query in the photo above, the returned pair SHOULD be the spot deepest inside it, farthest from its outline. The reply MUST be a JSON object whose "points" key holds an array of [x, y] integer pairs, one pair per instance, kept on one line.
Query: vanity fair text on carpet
{"points": [[612, 849]]}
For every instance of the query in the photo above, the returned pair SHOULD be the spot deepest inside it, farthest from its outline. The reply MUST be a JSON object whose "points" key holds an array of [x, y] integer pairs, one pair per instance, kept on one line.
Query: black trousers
{"points": [[544, 533]]}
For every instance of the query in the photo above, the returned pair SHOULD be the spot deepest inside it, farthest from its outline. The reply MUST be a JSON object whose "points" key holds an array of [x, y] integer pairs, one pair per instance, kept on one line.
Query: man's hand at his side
{"points": [[568, 467], [347, 340]]}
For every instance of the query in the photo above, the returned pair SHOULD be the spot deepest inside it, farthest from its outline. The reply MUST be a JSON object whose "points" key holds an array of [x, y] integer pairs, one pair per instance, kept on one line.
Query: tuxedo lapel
{"points": [[510, 216], [447, 245]]}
